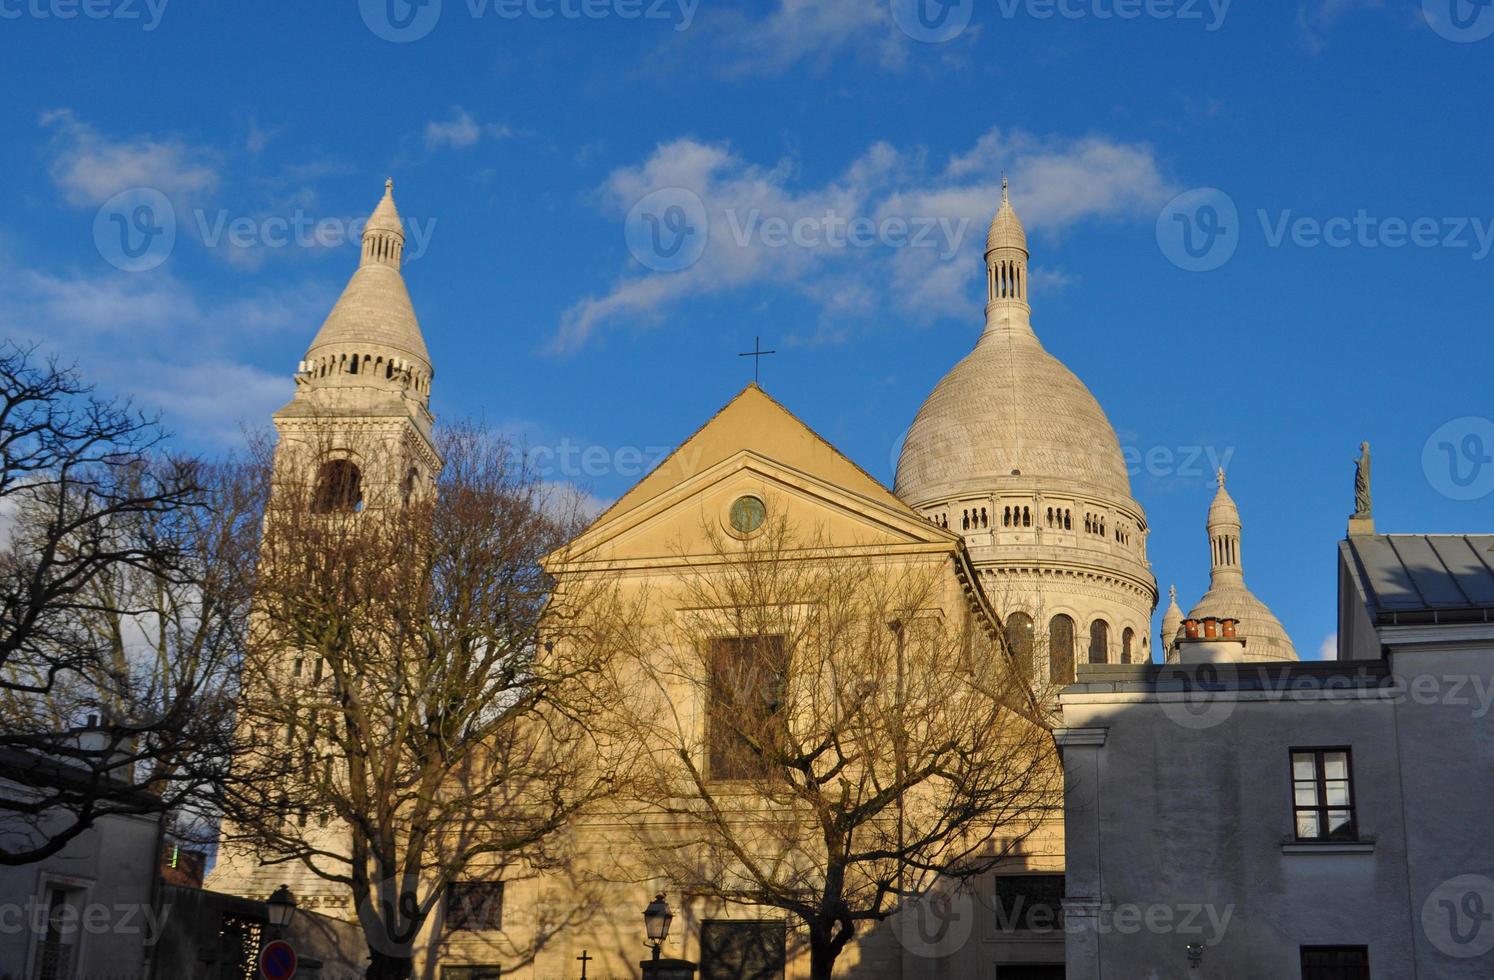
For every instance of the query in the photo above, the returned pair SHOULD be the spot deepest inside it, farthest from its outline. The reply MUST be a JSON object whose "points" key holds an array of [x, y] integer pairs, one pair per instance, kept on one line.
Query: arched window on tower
{"points": [[1128, 640], [1019, 640], [1061, 649], [407, 489], [1026, 517], [339, 488], [1099, 642]]}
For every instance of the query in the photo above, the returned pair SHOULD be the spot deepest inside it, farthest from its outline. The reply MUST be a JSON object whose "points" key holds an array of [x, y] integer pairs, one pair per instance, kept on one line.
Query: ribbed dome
{"points": [[1172, 621], [1006, 229], [1009, 409], [1223, 509], [1265, 637], [386, 215], [375, 309]]}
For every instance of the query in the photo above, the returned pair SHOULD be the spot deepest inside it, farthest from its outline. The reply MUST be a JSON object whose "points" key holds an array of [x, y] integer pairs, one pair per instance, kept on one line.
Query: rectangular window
{"points": [[1335, 963], [1323, 794], [746, 678], [1030, 903], [470, 973], [474, 906], [58, 946], [736, 950]]}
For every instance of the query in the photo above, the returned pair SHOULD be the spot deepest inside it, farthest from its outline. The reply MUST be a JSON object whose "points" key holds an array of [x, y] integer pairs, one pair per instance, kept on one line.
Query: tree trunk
{"points": [[387, 967], [821, 959]]}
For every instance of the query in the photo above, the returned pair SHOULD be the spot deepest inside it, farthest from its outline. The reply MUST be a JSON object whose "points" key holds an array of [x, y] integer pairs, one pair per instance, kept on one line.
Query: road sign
{"points": [[277, 961]]}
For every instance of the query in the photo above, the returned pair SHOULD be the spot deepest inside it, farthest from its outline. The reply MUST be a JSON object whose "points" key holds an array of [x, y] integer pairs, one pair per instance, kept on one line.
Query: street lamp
{"points": [[656, 919], [281, 907]]}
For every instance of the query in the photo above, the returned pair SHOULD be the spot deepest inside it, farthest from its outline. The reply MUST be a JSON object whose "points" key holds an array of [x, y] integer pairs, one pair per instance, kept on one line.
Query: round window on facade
{"points": [[747, 514]]}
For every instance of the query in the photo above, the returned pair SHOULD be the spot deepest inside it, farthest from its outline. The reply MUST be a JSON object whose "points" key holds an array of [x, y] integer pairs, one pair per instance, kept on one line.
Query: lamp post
{"points": [[281, 907], [656, 919]]}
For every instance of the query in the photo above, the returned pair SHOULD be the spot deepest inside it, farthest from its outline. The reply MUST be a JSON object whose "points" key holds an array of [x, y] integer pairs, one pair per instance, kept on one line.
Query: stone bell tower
{"points": [[361, 415], [356, 435]]}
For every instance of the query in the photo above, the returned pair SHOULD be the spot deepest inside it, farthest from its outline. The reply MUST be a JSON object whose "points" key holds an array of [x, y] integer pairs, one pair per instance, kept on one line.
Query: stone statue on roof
{"points": [[1362, 504]]}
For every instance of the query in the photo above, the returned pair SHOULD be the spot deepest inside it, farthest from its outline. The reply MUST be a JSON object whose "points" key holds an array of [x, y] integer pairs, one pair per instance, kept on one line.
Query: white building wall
{"points": [[1178, 828], [1445, 740], [107, 873]]}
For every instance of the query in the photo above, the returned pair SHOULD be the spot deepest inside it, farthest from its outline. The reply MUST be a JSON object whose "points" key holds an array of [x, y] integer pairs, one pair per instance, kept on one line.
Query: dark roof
{"points": [[1424, 578], [53, 773], [1275, 676]]}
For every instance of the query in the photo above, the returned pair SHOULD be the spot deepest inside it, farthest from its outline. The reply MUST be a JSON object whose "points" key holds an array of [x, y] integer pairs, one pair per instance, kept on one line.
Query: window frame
{"points": [[1320, 808], [723, 743], [473, 917], [1305, 951]]}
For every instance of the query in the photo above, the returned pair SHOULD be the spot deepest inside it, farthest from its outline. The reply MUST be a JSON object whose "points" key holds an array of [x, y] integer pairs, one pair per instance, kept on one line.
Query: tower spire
{"points": [[1224, 535], [1007, 306], [372, 338], [384, 234], [1172, 620]]}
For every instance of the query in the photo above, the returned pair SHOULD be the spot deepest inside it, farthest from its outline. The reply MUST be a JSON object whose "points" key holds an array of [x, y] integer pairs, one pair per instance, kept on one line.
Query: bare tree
{"points": [[416, 690], [835, 735], [122, 605]]}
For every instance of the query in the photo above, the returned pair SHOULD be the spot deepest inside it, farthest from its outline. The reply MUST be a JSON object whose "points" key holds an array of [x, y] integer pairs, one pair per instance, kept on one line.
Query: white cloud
{"points": [[1316, 18], [149, 337], [461, 131], [811, 30], [90, 168], [933, 271], [1328, 649]]}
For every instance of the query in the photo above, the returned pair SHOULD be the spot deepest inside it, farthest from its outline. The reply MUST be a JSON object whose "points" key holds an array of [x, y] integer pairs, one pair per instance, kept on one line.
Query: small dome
{"points": [[1006, 228], [386, 216], [1265, 637], [1009, 408], [1172, 621], [1228, 596], [1223, 509]]}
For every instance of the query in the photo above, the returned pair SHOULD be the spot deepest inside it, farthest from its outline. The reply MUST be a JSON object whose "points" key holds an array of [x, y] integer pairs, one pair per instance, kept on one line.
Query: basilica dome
{"points": [[1013, 451], [1010, 409]]}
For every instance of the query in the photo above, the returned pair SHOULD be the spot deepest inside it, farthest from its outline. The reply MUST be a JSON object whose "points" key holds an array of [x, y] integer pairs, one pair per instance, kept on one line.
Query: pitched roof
{"points": [[1424, 578], [750, 420]]}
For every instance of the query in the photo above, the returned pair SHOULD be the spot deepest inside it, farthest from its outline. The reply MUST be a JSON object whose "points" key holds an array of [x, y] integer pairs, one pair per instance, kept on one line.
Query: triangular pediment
{"points": [[753, 447]]}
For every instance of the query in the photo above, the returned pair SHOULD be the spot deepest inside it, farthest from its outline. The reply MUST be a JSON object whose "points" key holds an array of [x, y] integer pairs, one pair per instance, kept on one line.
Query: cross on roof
{"points": [[757, 354]]}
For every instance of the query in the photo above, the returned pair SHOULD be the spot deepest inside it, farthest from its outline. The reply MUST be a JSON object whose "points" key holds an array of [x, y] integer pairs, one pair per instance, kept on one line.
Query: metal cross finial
{"points": [[584, 959], [757, 354]]}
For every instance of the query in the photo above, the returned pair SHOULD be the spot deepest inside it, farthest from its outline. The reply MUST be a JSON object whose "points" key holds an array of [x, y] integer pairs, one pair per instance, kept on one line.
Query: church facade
{"points": [[1011, 482]]}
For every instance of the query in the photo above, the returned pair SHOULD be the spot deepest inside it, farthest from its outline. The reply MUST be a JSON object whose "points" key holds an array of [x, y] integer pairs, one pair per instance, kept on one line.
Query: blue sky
{"points": [[520, 143]]}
